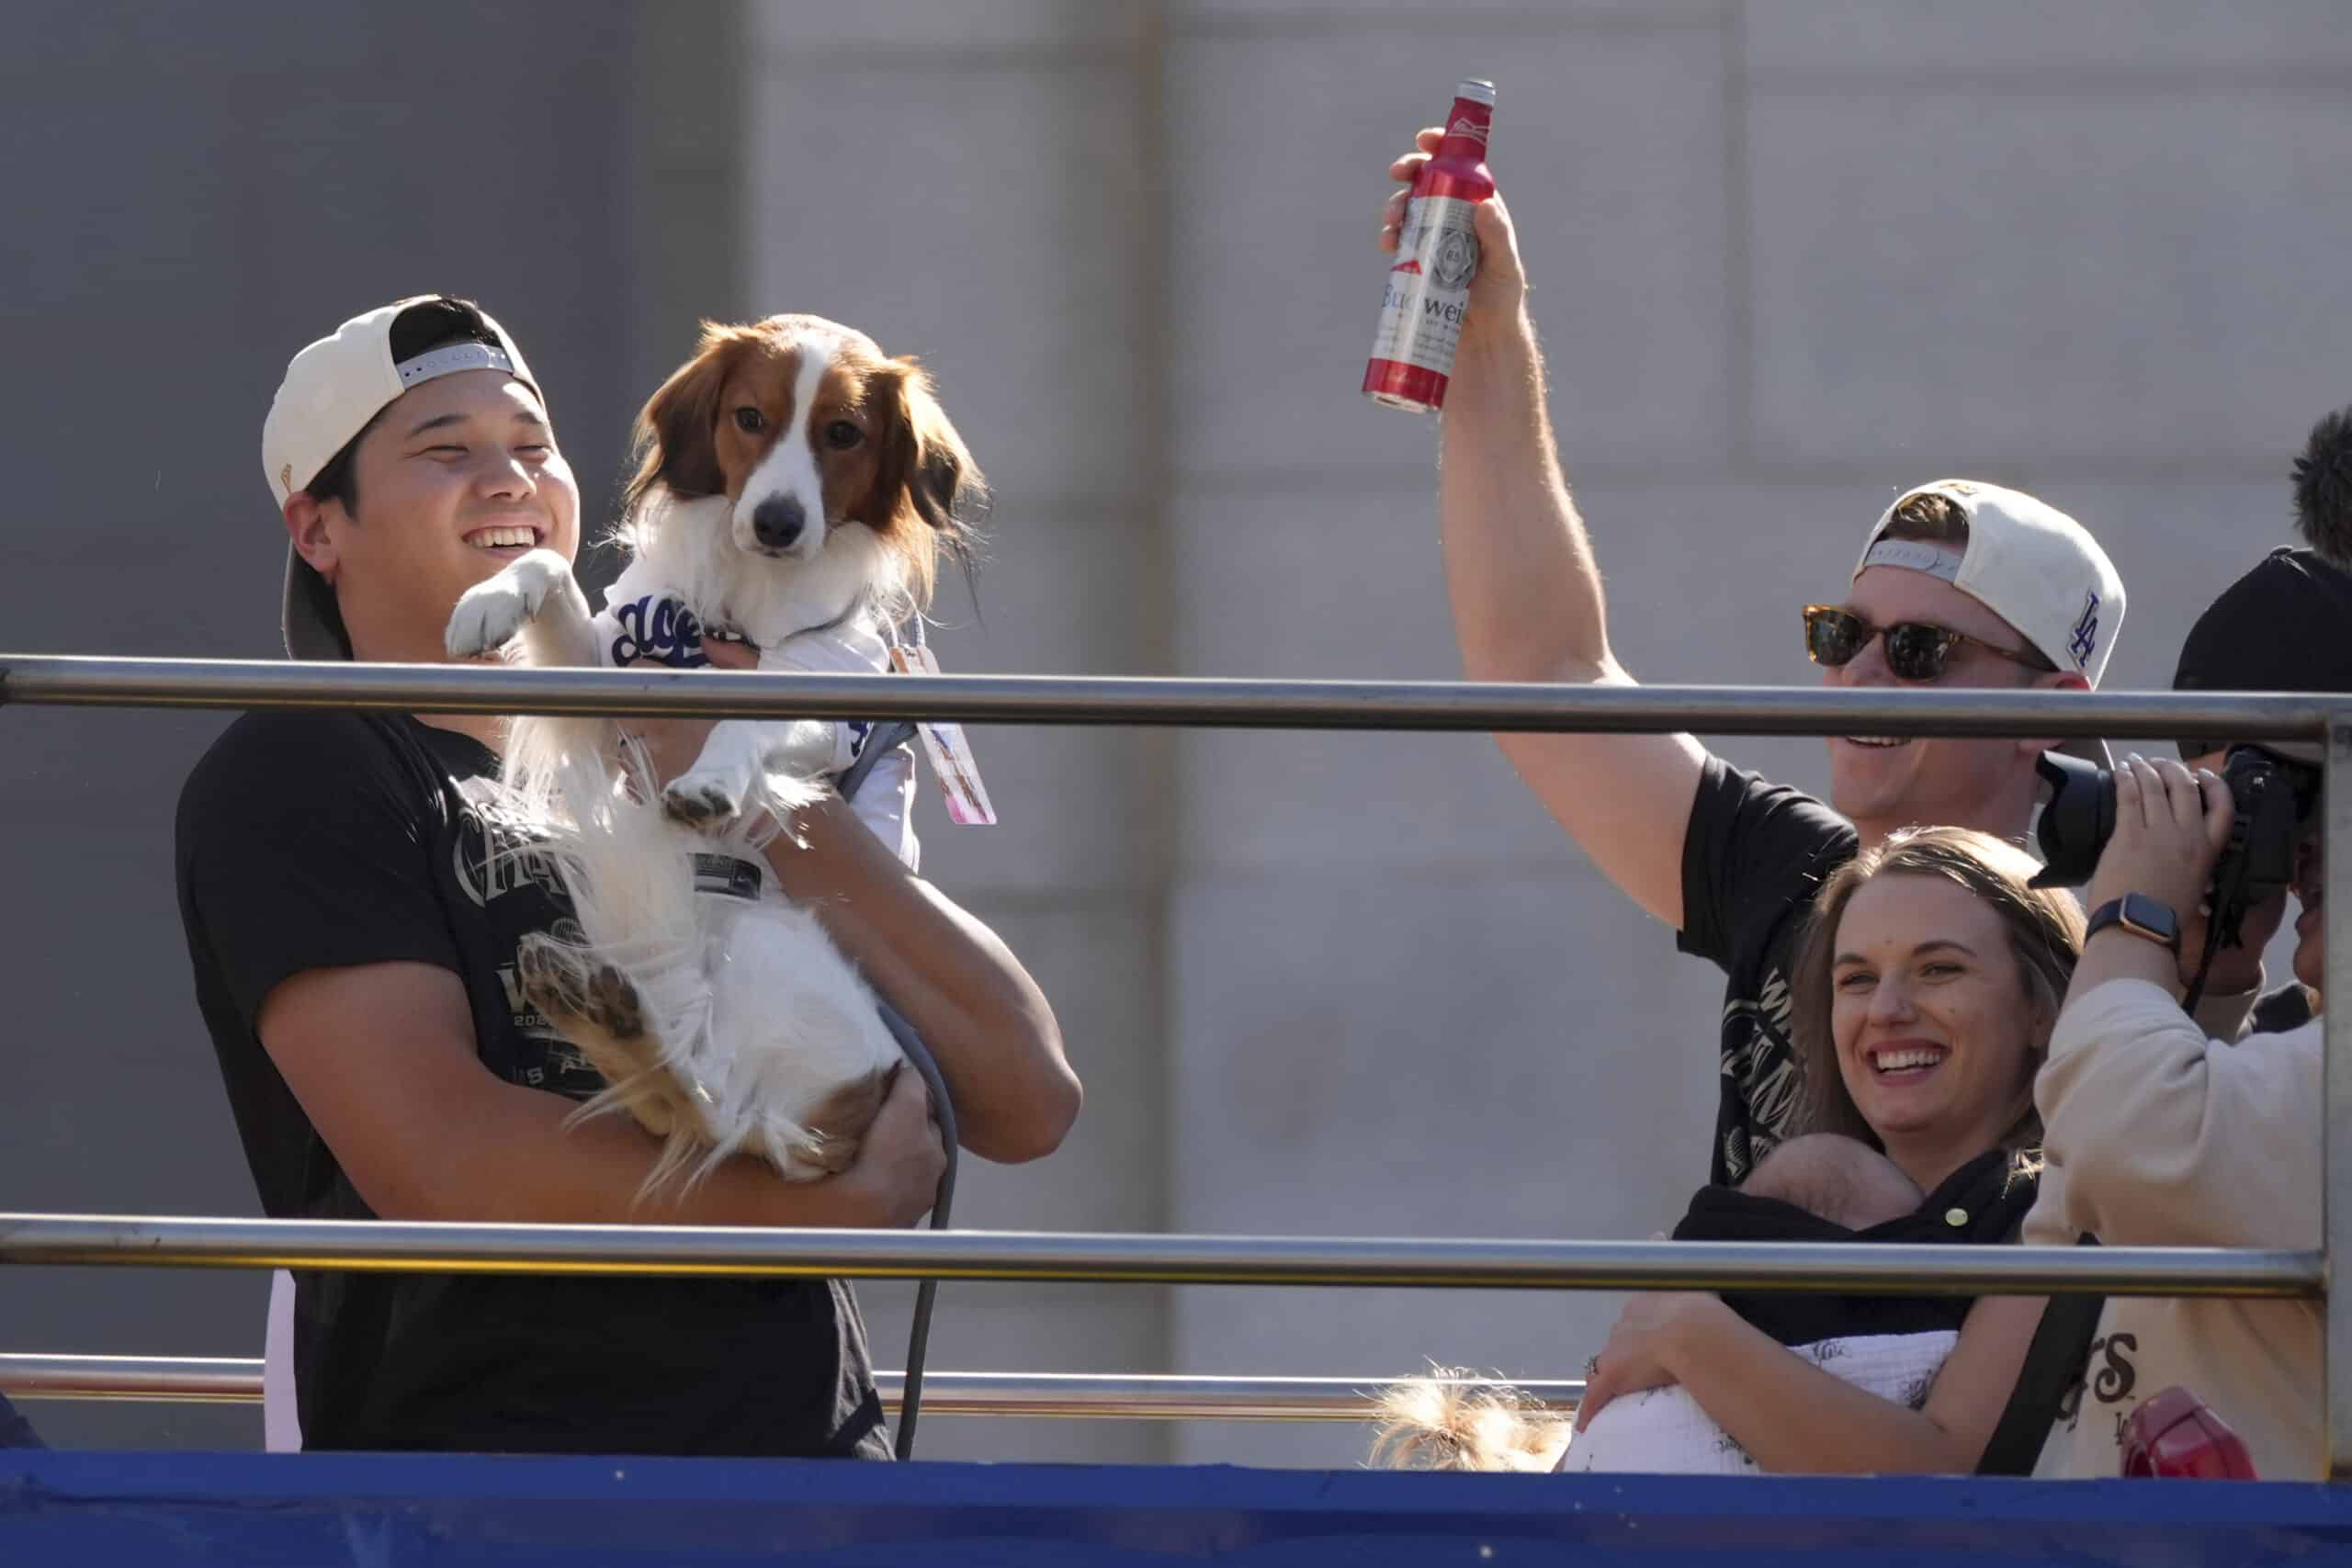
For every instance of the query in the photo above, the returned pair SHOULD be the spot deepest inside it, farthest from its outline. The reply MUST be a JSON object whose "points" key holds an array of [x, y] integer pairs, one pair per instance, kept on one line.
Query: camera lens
{"points": [[2076, 823]]}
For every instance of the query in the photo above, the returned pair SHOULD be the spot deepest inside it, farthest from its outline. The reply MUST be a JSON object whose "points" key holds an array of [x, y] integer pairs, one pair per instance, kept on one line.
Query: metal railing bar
{"points": [[196, 1380], [78, 680], [1103, 1396], [410, 1246], [1130, 1397]]}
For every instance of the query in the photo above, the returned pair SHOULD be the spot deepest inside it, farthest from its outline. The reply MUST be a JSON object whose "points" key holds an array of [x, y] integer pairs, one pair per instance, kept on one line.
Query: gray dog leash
{"points": [[885, 739]]}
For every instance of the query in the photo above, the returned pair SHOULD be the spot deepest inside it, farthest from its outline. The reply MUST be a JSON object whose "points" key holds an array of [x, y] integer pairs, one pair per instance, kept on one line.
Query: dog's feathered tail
{"points": [[630, 873], [560, 768], [1451, 1420]]}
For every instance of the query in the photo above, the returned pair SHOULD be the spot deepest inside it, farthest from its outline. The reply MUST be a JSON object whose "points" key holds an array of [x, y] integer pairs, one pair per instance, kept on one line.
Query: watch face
{"points": [[2144, 916], [2149, 915]]}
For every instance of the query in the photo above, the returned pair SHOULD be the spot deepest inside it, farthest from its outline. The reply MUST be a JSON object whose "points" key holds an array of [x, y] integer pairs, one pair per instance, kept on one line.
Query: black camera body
{"points": [[2273, 796]]}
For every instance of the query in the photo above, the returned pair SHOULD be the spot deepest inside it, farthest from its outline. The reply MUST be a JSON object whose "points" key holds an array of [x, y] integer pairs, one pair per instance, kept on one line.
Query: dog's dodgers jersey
{"points": [[644, 623], [320, 841]]}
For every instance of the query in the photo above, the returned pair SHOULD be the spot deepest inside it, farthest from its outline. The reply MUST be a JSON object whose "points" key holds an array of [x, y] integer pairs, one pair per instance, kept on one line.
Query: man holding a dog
{"points": [[1958, 583], [353, 894]]}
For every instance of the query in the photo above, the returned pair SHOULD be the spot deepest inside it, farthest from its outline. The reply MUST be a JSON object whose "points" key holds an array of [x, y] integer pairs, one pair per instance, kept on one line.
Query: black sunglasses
{"points": [[1915, 651]]}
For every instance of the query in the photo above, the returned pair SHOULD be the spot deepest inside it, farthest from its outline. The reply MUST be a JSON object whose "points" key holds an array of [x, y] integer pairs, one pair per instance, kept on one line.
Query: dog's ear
{"points": [[928, 492], [947, 486], [926, 467], [675, 439]]}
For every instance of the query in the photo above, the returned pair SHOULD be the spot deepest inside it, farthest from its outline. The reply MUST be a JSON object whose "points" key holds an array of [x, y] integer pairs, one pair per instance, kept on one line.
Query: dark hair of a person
{"points": [[420, 329]]}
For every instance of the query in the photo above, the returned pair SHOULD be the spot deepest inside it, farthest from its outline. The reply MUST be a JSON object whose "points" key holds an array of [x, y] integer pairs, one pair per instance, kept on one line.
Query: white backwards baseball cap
{"points": [[2028, 563], [333, 388]]}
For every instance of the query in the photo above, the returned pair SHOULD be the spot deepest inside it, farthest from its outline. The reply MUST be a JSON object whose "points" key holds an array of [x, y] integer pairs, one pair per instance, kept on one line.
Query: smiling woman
{"points": [[1926, 989], [1924, 995]]}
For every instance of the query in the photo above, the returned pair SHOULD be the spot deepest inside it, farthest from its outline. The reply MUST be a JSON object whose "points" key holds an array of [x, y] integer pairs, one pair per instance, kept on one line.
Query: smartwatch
{"points": [[2139, 915]]}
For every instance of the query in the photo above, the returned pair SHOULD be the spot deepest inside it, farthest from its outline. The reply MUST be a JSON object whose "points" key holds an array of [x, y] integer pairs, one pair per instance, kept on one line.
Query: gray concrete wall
{"points": [[978, 186], [1789, 258]]}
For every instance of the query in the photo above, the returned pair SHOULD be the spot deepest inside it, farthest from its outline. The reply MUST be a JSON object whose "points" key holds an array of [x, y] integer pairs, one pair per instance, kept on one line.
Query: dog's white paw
{"points": [[705, 797], [491, 613]]}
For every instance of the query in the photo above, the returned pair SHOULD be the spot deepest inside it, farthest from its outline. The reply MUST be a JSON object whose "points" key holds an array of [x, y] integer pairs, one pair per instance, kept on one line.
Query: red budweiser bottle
{"points": [[1428, 288]]}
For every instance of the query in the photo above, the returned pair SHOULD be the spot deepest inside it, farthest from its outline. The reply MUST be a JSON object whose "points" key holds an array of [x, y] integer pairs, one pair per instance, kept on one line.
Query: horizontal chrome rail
{"points": [[1103, 1396], [1139, 1397], [69, 681], [192, 1380], [409, 1247]]}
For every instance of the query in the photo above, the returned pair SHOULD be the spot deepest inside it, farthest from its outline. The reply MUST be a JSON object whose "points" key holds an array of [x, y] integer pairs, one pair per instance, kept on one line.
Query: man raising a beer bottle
{"points": [[1958, 583]]}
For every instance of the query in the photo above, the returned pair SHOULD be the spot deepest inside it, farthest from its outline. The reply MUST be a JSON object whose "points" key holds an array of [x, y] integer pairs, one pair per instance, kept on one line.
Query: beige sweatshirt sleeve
{"points": [[2226, 1016], [2165, 1138]]}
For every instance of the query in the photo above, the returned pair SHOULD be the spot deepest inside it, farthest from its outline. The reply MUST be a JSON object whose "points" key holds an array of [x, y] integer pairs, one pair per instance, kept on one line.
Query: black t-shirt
{"points": [[1982, 1203], [2289, 1007], [319, 840], [1752, 856]]}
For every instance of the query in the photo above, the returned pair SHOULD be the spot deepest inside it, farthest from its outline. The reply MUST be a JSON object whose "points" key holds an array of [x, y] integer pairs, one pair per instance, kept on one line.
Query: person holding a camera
{"points": [[2155, 1136]]}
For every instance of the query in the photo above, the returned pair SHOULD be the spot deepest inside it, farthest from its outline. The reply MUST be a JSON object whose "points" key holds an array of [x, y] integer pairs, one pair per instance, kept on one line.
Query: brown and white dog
{"points": [[794, 489]]}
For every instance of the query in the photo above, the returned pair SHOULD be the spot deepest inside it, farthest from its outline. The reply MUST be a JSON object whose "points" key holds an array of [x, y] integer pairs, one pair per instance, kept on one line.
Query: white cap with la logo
{"points": [[2028, 563], [331, 390]]}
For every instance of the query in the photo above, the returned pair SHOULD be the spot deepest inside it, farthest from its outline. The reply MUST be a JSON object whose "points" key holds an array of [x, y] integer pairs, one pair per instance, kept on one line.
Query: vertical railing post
{"points": [[2335, 1129]]}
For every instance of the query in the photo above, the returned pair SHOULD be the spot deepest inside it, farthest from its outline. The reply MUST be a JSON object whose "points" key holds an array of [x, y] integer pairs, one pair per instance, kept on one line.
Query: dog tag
{"points": [[726, 875], [951, 758]]}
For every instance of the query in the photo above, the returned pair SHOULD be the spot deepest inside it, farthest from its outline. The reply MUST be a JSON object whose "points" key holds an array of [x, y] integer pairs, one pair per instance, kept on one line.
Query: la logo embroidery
{"points": [[2085, 635]]}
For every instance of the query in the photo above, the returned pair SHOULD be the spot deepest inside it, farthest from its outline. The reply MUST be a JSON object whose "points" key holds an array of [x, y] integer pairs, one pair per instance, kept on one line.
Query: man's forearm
{"points": [[439, 1137], [1528, 608], [507, 1156], [1527, 596], [984, 1018]]}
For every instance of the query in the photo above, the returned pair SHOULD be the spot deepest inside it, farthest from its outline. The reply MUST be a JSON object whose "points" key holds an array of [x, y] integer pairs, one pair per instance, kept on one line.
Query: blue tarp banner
{"points": [[440, 1511]]}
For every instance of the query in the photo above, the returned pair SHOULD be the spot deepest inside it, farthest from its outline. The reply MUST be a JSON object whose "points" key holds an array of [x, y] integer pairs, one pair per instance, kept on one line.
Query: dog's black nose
{"points": [[777, 522]]}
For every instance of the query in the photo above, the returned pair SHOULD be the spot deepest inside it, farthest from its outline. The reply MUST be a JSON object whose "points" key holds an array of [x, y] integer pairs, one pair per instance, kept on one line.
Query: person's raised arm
{"points": [[1792, 1417], [382, 1058], [1525, 590]]}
